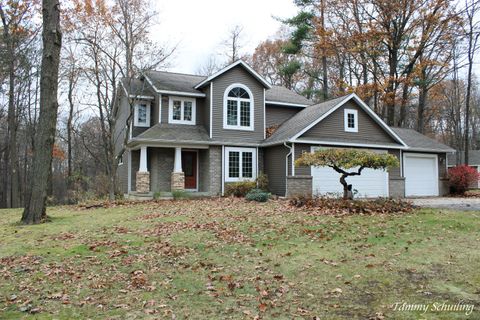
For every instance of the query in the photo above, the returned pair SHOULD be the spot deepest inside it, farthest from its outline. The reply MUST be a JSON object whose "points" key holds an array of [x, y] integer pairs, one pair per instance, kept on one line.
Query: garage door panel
{"points": [[371, 183], [421, 175]]}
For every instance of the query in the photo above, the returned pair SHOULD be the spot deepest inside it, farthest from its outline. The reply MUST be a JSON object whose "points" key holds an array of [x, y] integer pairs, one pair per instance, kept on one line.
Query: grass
{"points": [[232, 259]]}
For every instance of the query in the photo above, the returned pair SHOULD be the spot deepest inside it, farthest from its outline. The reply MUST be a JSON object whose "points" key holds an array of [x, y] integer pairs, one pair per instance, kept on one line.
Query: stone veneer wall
{"points": [[178, 181], [215, 170], [299, 186], [143, 182], [443, 186], [396, 187]]}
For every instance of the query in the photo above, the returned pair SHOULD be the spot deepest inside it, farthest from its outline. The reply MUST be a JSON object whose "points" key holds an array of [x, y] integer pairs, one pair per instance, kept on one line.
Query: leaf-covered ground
{"points": [[230, 259]]}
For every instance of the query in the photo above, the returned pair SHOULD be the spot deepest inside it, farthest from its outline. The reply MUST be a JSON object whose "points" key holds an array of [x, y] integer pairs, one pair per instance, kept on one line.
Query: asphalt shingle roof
{"points": [[417, 141], [136, 87], [171, 81], [473, 157], [302, 120], [174, 81], [175, 133], [282, 94]]}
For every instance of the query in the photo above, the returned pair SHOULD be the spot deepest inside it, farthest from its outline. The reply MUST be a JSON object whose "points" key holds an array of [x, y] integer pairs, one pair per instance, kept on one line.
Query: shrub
{"points": [[461, 178], [239, 189], [257, 195], [262, 181]]}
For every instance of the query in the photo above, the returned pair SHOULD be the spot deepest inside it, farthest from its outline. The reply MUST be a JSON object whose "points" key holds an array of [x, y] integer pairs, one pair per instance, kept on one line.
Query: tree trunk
{"points": [[324, 57], [403, 106], [422, 101], [35, 211]]}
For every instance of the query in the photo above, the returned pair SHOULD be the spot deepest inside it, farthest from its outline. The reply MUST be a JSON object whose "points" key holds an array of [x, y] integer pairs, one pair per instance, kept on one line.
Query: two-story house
{"points": [[199, 133]]}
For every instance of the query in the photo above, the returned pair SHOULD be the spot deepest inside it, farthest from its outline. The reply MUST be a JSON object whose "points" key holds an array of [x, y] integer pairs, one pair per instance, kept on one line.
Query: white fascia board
{"points": [[132, 96], [286, 104], [349, 144], [230, 66]]}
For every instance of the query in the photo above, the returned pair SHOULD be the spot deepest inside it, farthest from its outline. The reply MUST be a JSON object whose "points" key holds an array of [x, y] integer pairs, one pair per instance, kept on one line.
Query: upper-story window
{"points": [[351, 120], [181, 110], [238, 108], [142, 114]]}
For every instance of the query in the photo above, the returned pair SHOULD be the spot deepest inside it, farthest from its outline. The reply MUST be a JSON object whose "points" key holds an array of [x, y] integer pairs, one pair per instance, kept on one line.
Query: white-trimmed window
{"points": [[238, 108], [240, 164], [182, 110], [351, 120], [142, 114]]}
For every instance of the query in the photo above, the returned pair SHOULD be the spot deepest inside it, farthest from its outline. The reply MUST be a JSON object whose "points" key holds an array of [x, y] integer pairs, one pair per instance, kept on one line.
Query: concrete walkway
{"points": [[448, 203]]}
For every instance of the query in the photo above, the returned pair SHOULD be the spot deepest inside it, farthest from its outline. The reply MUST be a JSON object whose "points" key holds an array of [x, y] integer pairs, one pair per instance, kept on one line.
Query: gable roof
{"points": [[473, 157], [283, 96], [165, 82], [303, 121], [419, 142], [233, 65], [135, 87], [174, 83]]}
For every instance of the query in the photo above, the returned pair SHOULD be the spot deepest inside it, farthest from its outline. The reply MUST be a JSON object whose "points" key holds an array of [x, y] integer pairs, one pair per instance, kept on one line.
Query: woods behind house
{"points": [[412, 61]]}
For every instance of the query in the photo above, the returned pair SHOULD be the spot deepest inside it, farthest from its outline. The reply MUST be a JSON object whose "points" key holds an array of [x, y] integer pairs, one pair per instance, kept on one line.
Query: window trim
{"points": [[252, 104], [135, 118], [183, 100], [241, 151], [355, 120]]}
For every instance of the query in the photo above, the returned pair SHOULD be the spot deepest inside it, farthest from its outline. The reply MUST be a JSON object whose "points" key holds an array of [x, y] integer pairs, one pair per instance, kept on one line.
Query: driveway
{"points": [[448, 203]]}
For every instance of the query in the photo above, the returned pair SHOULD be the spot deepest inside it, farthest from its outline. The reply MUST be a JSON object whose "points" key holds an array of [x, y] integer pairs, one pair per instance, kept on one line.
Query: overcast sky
{"points": [[199, 27]]}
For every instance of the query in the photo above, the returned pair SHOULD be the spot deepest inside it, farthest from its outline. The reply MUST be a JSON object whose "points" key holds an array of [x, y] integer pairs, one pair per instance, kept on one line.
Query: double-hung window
{"points": [[351, 120], [240, 164], [142, 114], [238, 108], [181, 110]]}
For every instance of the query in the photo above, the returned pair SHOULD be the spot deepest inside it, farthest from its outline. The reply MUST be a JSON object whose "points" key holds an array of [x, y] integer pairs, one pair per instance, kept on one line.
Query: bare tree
{"points": [[35, 204], [472, 32], [234, 44]]}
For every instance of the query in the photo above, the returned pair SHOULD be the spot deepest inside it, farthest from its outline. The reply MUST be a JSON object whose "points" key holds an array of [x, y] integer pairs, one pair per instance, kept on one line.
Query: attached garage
{"points": [[370, 184], [421, 174]]}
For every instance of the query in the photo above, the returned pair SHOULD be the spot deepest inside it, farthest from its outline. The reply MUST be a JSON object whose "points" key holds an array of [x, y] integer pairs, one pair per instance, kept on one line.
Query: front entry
{"points": [[189, 166]]}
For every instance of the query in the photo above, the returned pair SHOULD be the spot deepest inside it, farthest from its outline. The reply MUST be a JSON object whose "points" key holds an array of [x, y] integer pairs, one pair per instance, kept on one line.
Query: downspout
{"points": [[286, 166]]}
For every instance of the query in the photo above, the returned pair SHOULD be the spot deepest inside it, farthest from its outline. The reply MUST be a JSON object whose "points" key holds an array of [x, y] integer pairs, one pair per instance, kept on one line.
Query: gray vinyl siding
{"points": [[122, 175], [200, 109], [332, 127], [274, 164], [135, 167], [299, 150], [206, 108], [276, 115], [119, 136], [120, 123], [238, 75]]}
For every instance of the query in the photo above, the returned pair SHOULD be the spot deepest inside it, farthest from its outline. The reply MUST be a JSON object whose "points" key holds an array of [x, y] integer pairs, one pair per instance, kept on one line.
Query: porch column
{"points": [[143, 176], [178, 177]]}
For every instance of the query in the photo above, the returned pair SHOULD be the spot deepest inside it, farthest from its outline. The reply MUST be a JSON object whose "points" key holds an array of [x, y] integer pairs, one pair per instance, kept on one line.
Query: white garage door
{"points": [[421, 174], [370, 184]]}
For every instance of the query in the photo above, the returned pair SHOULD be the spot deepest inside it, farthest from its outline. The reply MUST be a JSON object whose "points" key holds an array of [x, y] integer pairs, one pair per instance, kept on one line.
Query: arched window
{"points": [[238, 108]]}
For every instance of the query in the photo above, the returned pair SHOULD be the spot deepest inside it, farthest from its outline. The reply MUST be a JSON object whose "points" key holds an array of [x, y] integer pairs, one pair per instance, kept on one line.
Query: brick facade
{"points": [[299, 186]]}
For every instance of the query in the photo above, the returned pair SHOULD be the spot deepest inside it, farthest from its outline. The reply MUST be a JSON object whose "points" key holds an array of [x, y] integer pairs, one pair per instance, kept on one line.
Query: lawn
{"points": [[230, 259]]}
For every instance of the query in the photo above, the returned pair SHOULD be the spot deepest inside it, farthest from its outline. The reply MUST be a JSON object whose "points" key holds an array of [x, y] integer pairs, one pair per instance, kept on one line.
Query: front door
{"points": [[189, 166]]}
